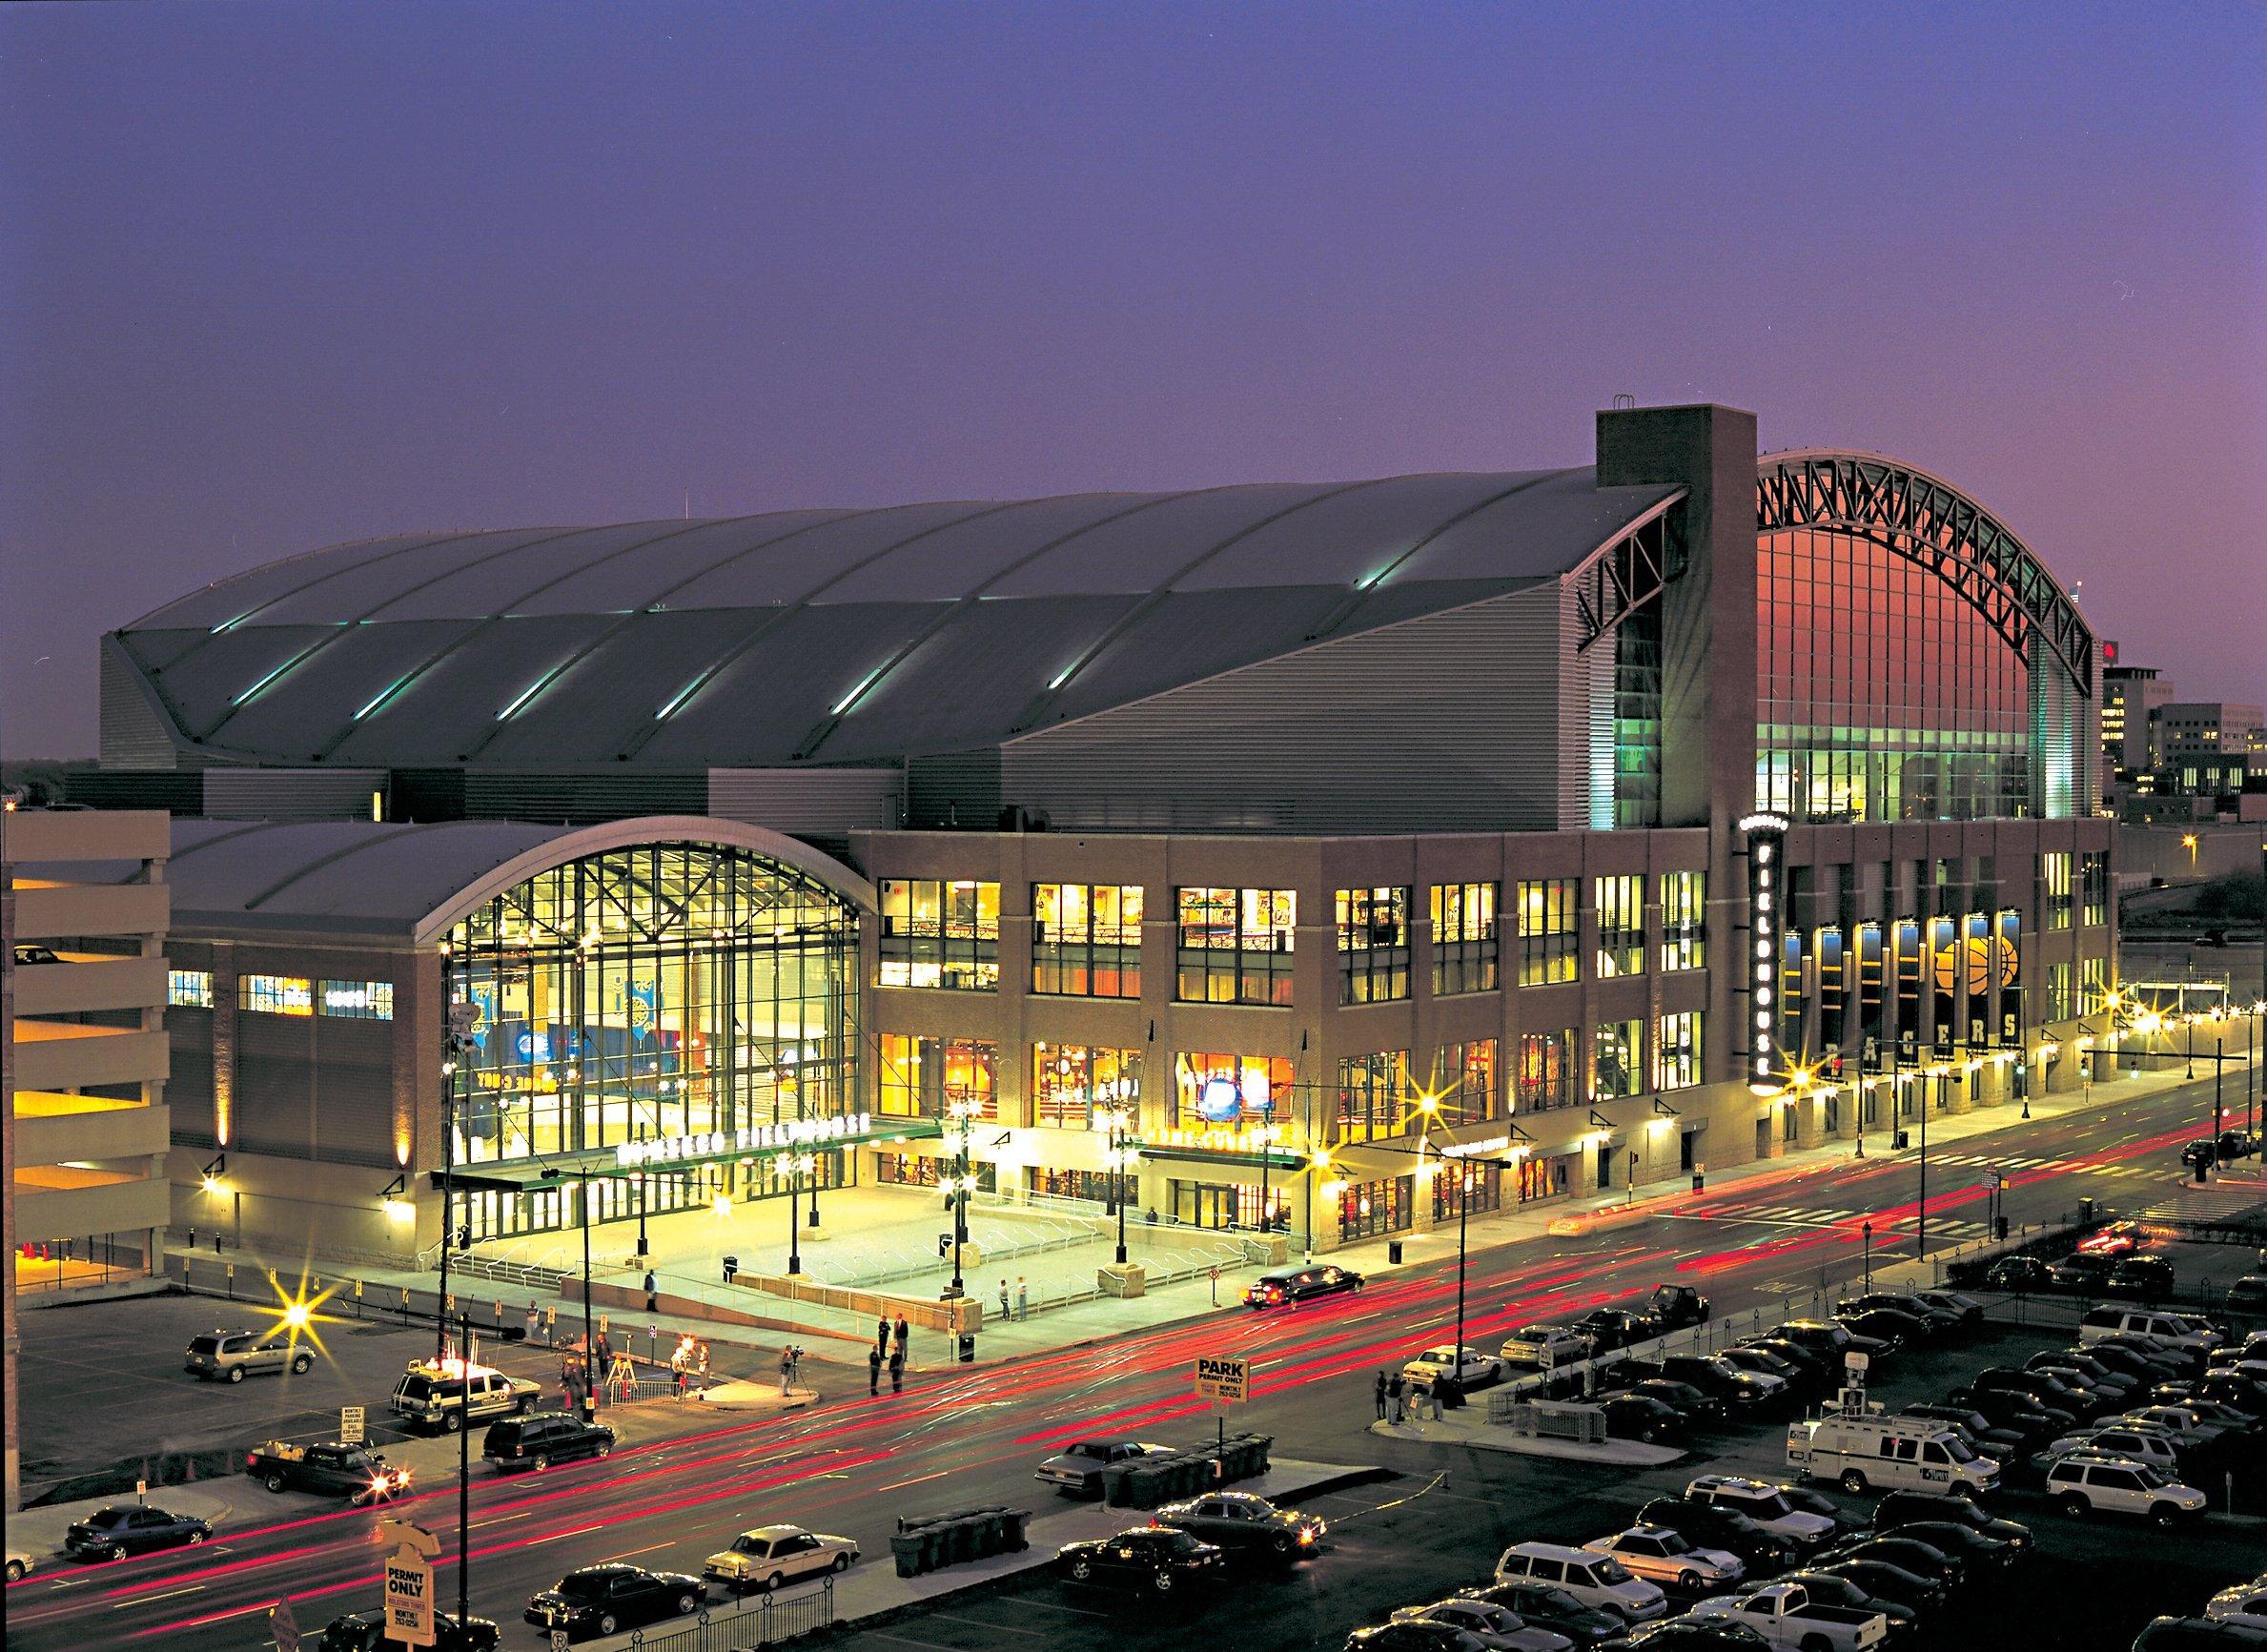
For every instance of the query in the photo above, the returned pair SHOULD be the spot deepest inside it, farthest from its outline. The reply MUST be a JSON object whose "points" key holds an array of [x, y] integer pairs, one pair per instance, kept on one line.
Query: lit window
{"points": [[940, 933], [358, 1000], [1236, 945], [1085, 939], [1464, 952], [1373, 945], [1547, 932], [275, 994], [189, 988]]}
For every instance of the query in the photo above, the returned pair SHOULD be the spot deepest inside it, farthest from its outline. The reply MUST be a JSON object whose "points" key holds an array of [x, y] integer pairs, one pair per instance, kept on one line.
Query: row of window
{"points": [[1379, 1095], [286, 995], [1236, 945], [2091, 888]]}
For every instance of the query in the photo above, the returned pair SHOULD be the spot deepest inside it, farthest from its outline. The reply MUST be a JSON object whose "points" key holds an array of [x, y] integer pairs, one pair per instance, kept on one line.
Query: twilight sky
{"points": [[275, 275]]}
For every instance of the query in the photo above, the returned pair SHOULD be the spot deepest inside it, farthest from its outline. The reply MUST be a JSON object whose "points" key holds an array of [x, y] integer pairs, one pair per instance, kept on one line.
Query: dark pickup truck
{"points": [[340, 1471]]}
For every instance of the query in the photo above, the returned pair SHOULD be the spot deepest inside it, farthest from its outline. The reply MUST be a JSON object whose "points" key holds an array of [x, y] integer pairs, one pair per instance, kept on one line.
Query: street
{"points": [[954, 1440]]}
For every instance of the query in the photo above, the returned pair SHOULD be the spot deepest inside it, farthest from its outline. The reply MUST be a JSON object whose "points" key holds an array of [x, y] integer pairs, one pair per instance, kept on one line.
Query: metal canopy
{"points": [[1929, 522]]}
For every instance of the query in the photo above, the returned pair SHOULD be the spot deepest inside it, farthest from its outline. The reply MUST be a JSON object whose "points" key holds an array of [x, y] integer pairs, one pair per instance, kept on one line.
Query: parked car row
{"points": [[2117, 1423], [1196, 1542], [2232, 1621]]}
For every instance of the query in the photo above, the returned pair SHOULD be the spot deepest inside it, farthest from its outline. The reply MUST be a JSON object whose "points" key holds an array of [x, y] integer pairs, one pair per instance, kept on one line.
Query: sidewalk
{"points": [[870, 1226]]}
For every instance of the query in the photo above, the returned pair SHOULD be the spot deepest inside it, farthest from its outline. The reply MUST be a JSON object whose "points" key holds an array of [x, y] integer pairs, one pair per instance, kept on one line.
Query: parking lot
{"points": [[2089, 1584], [103, 1391]]}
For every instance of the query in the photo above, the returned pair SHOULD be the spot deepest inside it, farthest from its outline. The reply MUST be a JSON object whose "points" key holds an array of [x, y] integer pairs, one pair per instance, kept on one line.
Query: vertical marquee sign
{"points": [[1765, 836]]}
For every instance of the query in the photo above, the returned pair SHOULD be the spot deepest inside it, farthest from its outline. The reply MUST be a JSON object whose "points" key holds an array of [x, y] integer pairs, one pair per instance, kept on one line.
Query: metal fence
{"points": [[738, 1623]]}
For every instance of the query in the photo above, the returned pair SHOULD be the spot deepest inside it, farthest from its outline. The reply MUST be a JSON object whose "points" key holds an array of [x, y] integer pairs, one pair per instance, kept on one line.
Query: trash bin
{"points": [[1393, 1251], [2085, 1213], [1700, 1181], [966, 1352], [731, 1267], [1902, 1140]]}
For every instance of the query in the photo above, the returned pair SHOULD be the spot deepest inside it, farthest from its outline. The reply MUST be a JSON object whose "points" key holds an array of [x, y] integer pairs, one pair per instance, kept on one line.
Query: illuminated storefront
{"points": [[655, 992]]}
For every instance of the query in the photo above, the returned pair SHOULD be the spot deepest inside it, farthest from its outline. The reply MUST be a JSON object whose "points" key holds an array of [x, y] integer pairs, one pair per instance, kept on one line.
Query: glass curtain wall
{"points": [[1883, 694], [655, 990]]}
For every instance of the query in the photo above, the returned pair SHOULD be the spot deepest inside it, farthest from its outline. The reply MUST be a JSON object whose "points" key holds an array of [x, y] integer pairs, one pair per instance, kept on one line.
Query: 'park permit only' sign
{"points": [[1221, 1380]]}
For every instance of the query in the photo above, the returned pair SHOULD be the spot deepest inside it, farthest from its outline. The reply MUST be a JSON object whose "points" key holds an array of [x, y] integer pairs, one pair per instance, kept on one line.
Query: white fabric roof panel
{"points": [[729, 643]]}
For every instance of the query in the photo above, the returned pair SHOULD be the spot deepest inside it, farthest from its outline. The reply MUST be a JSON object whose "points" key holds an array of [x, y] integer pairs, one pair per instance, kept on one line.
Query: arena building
{"points": [[1250, 852]]}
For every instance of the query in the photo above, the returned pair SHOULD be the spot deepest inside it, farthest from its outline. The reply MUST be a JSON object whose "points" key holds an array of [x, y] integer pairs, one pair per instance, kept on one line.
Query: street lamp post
{"points": [[453, 1047], [1119, 1139], [465, 1482], [795, 1163], [963, 1114], [1463, 1206]]}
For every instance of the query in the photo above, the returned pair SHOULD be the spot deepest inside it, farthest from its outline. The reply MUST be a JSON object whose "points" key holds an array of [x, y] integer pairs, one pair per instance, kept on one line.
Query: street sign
{"points": [[1220, 1379], [1994, 1178], [283, 1627], [350, 1426], [409, 1598]]}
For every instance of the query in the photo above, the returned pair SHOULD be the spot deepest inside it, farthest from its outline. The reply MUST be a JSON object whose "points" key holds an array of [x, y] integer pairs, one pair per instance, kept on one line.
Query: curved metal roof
{"points": [[835, 636], [399, 883]]}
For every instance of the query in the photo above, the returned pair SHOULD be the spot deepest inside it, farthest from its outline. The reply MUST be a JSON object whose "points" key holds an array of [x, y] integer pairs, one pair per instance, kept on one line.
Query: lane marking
{"points": [[915, 1480], [910, 1641], [146, 1600], [981, 1624]]}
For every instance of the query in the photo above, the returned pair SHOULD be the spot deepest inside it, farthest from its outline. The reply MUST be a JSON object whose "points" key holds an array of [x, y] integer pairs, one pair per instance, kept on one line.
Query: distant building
{"points": [[82, 1003], [2129, 695]]}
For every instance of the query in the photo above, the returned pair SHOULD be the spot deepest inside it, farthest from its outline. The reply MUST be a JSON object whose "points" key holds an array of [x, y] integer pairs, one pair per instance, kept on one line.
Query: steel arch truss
{"points": [[1619, 577], [1930, 523]]}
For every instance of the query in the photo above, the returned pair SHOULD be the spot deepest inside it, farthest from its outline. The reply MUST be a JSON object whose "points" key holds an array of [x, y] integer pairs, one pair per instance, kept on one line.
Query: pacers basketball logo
{"points": [[1972, 966]]}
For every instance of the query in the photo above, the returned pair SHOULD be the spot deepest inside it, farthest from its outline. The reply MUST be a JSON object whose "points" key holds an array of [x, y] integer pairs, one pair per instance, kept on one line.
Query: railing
{"points": [[738, 1623], [511, 1273]]}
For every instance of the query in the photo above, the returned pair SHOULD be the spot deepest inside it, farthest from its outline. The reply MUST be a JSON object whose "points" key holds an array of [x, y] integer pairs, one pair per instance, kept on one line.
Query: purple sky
{"points": [[274, 275]]}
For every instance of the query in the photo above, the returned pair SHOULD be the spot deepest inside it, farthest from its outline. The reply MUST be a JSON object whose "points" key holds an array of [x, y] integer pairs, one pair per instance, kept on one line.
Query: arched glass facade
{"points": [[1882, 692], [650, 991]]}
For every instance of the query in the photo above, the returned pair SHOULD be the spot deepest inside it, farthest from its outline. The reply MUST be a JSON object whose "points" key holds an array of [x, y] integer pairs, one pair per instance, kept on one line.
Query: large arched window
{"points": [[653, 991], [1913, 662]]}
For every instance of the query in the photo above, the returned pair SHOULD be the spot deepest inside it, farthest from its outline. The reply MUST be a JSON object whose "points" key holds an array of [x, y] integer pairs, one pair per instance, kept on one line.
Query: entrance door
{"points": [[1605, 1168], [1685, 1149]]}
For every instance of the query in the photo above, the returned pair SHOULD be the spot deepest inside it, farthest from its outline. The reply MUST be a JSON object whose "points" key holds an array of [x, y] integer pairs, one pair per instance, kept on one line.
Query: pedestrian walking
{"points": [[874, 1371], [532, 1316], [1004, 1299], [1380, 1397], [897, 1369], [652, 1294], [787, 1367], [882, 1331], [1394, 1389], [216, 1244], [701, 1358], [902, 1331], [1151, 1217], [1022, 1297], [192, 1238]]}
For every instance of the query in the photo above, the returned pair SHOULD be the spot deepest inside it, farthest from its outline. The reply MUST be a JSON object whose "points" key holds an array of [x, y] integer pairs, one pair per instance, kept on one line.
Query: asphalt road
{"points": [[956, 1439]]}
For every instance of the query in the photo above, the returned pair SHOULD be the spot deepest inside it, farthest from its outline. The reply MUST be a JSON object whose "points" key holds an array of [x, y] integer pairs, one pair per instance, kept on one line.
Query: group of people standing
{"points": [[889, 1344], [1402, 1398]]}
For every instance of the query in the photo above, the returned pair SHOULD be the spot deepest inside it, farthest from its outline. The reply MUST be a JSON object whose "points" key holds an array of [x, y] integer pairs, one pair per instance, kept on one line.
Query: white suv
{"points": [[2085, 1484], [1594, 1579], [2169, 1329], [1767, 1505]]}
